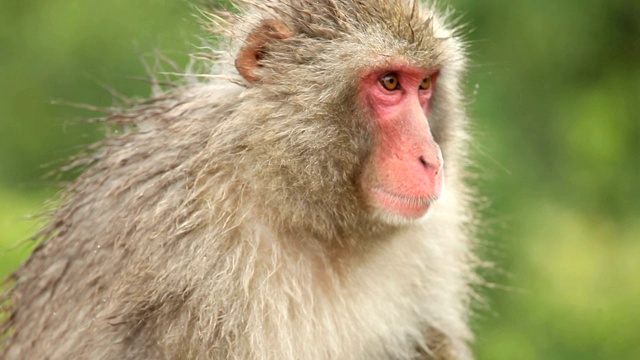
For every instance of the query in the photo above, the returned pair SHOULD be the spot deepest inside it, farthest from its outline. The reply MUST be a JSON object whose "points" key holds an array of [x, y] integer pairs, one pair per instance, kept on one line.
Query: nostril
{"points": [[436, 166], [424, 162]]}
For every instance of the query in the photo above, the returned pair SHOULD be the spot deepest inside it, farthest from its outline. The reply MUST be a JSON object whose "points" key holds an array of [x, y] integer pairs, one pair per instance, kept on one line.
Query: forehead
{"points": [[381, 48]]}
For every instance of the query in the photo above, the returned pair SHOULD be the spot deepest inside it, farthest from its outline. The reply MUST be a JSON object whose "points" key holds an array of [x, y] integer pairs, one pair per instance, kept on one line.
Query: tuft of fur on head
{"points": [[228, 224]]}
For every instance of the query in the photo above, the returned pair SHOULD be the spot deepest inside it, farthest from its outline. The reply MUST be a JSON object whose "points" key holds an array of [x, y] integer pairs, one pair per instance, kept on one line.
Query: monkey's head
{"points": [[361, 105]]}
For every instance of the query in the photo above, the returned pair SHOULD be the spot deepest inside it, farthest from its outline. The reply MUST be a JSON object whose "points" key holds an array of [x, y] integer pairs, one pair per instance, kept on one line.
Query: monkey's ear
{"points": [[248, 60]]}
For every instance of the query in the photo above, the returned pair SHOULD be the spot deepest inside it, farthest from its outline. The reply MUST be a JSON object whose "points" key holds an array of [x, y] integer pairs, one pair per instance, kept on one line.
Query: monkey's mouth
{"points": [[404, 205]]}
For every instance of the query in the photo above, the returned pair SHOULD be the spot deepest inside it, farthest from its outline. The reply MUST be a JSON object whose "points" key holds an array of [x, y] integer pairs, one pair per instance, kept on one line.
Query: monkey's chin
{"points": [[399, 209]]}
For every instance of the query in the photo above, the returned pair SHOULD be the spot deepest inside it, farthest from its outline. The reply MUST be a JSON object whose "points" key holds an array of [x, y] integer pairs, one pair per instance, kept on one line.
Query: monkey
{"points": [[305, 197]]}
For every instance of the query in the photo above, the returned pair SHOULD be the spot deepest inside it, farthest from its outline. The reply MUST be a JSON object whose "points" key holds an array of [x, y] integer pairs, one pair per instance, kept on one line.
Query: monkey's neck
{"points": [[329, 257]]}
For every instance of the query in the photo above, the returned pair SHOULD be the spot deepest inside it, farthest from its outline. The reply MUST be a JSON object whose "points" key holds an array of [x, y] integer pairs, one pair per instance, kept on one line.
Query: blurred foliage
{"points": [[554, 93]]}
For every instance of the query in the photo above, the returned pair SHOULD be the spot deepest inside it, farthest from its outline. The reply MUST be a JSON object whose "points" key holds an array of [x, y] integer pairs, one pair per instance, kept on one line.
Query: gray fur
{"points": [[227, 224]]}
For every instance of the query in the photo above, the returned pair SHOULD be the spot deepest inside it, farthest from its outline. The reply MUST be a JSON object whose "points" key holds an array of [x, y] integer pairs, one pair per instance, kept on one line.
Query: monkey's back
{"points": [[64, 301]]}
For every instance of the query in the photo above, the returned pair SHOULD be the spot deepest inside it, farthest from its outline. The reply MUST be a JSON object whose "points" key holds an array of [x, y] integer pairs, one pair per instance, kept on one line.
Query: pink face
{"points": [[404, 172]]}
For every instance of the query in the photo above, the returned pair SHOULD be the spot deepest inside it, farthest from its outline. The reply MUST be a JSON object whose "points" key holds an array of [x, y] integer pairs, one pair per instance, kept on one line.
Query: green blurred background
{"points": [[554, 92]]}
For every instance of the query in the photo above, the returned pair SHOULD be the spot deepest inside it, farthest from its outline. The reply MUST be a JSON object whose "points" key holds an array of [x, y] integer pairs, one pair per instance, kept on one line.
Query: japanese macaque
{"points": [[305, 199]]}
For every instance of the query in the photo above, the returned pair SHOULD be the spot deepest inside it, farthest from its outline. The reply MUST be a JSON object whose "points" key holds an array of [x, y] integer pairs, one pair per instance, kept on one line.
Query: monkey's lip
{"points": [[403, 205]]}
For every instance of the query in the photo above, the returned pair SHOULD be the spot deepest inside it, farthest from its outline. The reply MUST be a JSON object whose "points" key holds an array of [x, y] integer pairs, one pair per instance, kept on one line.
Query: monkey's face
{"points": [[403, 174]]}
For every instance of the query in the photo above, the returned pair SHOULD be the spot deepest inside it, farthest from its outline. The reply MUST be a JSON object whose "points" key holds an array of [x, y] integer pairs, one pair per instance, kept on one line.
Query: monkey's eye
{"points": [[426, 83], [390, 82]]}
